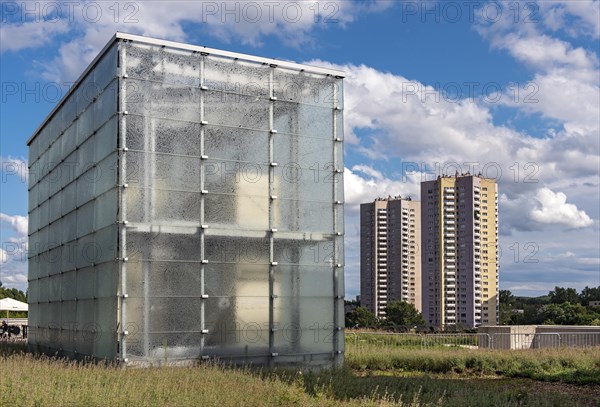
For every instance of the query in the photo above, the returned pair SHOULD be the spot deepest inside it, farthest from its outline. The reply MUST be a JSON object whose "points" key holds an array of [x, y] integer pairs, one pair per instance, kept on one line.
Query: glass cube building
{"points": [[186, 203]]}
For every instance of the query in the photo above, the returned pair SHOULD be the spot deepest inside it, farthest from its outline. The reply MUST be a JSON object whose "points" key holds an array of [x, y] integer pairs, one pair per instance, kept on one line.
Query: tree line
{"points": [[562, 306], [399, 315], [12, 293]]}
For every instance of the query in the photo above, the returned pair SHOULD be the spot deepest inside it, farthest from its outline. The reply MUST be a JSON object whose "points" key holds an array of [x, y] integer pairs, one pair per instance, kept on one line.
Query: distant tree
{"points": [[589, 294], [12, 293], [506, 307], [566, 314], [532, 314], [506, 297], [404, 314], [361, 318], [561, 295]]}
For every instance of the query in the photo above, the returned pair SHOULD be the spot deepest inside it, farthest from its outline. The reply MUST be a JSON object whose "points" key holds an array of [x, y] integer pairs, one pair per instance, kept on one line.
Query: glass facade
{"points": [[186, 204]]}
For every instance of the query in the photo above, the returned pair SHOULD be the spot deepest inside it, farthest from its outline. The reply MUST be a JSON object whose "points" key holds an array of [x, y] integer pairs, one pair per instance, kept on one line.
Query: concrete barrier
{"points": [[539, 336]]}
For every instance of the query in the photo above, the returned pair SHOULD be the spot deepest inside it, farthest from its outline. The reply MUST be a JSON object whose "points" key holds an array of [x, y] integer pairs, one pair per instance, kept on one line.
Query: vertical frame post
{"points": [[122, 214]]}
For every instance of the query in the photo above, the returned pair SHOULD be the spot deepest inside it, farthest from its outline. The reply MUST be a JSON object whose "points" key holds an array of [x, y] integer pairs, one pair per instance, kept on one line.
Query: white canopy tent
{"points": [[8, 304]]}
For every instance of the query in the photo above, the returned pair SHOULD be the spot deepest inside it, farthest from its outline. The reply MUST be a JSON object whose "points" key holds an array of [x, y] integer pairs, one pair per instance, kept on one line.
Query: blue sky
{"points": [[510, 86]]}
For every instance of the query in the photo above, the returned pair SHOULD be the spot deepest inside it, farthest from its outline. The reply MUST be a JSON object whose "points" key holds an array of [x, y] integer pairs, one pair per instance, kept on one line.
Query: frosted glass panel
{"points": [[106, 69], [163, 64], [228, 75], [150, 170], [229, 177], [305, 281], [106, 208], [105, 106], [306, 88], [310, 312], [305, 120], [85, 282], [244, 212], [167, 206], [164, 279], [236, 250], [173, 314], [163, 135], [232, 280], [236, 144], [306, 152], [310, 253], [234, 110], [291, 339], [294, 181], [156, 99], [106, 280], [230, 314], [304, 215], [163, 246], [106, 140]]}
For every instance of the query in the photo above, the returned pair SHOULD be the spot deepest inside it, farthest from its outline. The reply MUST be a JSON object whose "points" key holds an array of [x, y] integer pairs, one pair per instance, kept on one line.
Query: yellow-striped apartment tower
{"points": [[459, 243], [390, 266]]}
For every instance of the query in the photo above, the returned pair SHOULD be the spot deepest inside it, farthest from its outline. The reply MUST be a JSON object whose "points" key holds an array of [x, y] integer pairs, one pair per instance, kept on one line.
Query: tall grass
{"points": [[569, 365], [374, 378]]}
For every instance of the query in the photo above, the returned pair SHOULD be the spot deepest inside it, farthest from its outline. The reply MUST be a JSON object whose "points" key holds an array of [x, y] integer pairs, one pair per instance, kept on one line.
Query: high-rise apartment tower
{"points": [[390, 267], [459, 242]]}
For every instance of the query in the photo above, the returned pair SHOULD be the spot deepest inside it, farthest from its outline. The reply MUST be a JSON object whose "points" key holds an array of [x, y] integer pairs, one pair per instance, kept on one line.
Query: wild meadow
{"points": [[372, 376]]}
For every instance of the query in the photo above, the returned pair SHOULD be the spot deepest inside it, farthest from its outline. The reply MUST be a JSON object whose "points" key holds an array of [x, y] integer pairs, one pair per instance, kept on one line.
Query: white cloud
{"points": [[552, 207], [3, 256], [542, 52], [411, 121], [292, 22], [359, 189], [556, 15], [589, 260], [16, 222], [565, 85], [365, 169], [12, 166], [30, 34], [18, 280]]}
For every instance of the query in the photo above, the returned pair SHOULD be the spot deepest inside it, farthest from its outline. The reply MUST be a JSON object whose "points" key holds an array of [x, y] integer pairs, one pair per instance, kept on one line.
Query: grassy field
{"points": [[377, 377]]}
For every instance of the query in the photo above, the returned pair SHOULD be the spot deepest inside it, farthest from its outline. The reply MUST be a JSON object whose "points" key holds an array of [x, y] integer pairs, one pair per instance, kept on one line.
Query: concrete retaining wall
{"points": [[538, 336]]}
